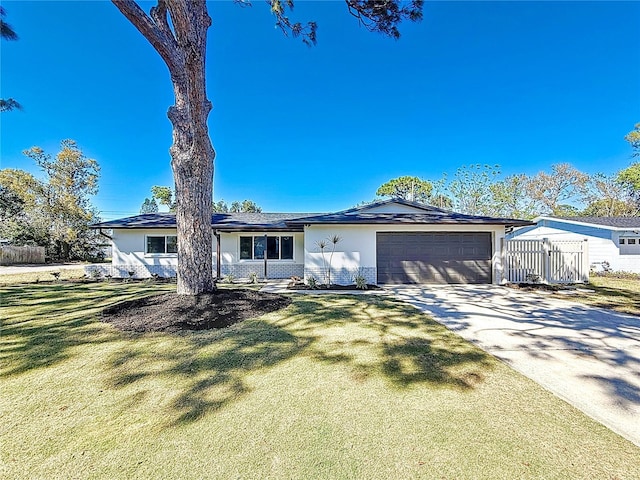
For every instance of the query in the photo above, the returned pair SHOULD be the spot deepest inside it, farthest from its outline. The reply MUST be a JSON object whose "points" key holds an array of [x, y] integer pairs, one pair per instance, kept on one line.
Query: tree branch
{"points": [[159, 16], [159, 34], [383, 16], [278, 8]]}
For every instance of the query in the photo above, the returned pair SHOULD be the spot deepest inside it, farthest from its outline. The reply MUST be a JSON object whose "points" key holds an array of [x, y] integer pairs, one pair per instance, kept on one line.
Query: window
{"points": [[276, 248], [162, 244], [629, 246]]}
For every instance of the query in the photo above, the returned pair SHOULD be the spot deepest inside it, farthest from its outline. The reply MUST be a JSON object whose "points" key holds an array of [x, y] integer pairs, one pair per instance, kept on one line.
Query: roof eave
{"points": [[509, 222], [588, 224]]}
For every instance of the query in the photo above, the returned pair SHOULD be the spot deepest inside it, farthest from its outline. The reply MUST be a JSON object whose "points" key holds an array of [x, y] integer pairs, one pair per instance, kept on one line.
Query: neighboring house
{"points": [[614, 240], [393, 241]]}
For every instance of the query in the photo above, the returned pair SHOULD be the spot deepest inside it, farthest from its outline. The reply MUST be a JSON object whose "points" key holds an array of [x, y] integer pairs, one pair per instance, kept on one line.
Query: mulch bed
{"points": [[536, 287], [171, 312], [332, 287]]}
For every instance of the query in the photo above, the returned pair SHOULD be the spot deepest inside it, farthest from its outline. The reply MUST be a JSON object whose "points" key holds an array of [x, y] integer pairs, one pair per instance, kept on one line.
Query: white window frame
{"points": [[279, 259], [165, 253], [627, 248]]}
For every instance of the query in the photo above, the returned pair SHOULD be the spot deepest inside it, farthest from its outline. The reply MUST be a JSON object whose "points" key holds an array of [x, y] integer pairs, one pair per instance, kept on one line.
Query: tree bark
{"points": [[183, 49]]}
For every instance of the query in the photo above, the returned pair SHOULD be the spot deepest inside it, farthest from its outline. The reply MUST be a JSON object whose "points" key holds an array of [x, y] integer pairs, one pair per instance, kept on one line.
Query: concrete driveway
{"points": [[588, 356]]}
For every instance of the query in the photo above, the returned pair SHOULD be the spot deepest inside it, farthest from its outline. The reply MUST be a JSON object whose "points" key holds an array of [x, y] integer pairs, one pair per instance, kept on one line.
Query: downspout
{"points": [[265, 256], [100, 232], [218, 257]]}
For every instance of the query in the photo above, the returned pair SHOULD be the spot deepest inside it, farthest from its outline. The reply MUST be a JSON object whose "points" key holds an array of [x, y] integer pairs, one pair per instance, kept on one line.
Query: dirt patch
{"points": [[171, 312]]}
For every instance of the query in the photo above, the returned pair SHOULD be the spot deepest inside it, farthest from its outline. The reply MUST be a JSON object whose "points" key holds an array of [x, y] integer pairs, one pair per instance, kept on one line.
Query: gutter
{"points": [[100, 232]]}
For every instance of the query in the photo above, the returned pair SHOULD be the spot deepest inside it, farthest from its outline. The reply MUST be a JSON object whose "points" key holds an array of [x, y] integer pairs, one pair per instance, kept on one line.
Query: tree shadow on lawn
{"points": [[383, 337], [620, 299], [207, 368], [41, 324], [200, 372], [367, 335]]}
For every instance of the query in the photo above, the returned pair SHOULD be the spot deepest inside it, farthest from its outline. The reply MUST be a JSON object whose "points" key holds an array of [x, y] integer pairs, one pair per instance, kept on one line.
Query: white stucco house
{"points": [[612, 242], [393, 241]]}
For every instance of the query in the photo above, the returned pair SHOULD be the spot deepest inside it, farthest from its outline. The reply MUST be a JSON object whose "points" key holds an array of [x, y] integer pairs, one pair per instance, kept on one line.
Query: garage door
{"points": [[435, 257]]}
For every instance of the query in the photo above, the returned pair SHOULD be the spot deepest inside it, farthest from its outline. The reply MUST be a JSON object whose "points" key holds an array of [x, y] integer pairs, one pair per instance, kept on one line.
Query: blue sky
{"points": [[519, 84]]}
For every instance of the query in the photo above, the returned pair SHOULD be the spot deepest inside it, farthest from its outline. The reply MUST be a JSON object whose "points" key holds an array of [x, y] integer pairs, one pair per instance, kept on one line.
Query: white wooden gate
{"points": [[535, 261]]}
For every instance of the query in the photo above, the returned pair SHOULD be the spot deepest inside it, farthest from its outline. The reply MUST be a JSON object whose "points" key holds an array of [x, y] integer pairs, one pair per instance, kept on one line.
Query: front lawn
{"points": [[37, 277], [620, 294], [332, 387]]}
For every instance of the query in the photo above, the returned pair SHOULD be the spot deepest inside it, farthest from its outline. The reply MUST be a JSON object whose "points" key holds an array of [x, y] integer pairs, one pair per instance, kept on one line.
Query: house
{"points": [[613, 242], [393, 241]]}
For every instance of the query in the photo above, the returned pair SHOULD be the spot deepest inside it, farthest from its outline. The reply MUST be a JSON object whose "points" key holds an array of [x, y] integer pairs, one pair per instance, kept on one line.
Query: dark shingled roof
{"points": [[616, 222], [220, 221], [295, 222], [425, 218]]}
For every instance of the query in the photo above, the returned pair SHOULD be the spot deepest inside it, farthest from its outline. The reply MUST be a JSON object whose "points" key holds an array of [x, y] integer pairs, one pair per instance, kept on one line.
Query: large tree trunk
{"points": [[183, 48]]}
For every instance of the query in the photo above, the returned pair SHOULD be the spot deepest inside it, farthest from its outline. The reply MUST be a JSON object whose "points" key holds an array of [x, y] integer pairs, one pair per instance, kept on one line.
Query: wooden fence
{"points": [[14, 255], [544, 261]]}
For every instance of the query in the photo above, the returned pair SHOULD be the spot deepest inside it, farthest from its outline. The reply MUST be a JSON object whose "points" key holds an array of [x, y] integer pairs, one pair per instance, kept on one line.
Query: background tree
{"points": [[164, 196], [22, 220], [629, 178], [438, 194], [220, 207], [57, 211], [608, 197], [409, 188], [470, 188], [555, 191], [633, 137], [510, 198], [149, 206], [246, 206], [7, 33], [177, 30]]}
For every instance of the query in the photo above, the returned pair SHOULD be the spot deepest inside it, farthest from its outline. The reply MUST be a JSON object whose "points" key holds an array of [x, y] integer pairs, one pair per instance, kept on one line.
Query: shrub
{"points": [[312, 282], [360, 280]]}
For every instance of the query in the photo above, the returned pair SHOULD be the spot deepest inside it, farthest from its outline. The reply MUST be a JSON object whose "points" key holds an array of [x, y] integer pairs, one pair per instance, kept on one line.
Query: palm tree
{"points": [[7, 33]]}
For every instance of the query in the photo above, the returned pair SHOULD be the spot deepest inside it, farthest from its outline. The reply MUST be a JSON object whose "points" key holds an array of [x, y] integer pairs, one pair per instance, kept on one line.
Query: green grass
{"points": [[37, 277], [333, 387], [620, 294]]}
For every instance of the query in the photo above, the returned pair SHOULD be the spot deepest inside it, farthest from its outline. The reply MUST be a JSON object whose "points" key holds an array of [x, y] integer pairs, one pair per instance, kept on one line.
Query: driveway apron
{"points": [[588, 356]]}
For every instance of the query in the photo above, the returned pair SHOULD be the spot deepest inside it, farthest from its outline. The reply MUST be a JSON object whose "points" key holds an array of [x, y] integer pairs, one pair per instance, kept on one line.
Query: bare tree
{"points": [[552, 192]]}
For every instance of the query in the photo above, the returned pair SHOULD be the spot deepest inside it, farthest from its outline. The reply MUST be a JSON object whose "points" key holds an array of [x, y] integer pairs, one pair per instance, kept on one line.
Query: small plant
{"points": [[229, 278], [95, 274], [360, 280], [534, 278], [322, 245], [312, 282], [108, 278], [56, 276], [253, 277]]}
